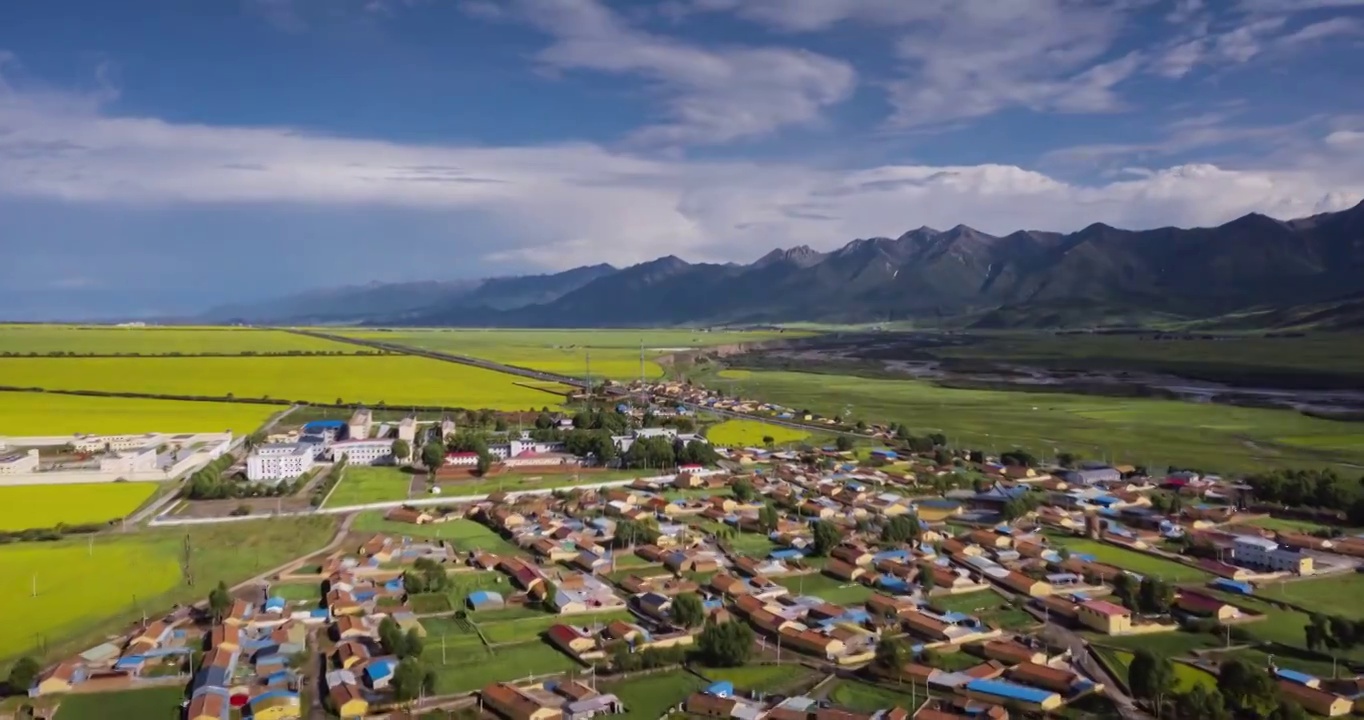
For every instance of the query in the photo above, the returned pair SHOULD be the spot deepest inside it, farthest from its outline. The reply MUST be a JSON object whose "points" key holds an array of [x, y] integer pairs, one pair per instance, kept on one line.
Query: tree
{"points": [[927, 581], [893, 653], [219, 602], [827, 538], [688, 611], [1343, 632], [901, 528], [1200, 703], [743, 490], [1150, 678], [24, 673], [433, 455], [843, 443], [544, 421], [391, 637], [409, 680], [1289, 710], [629, 532], [413, 644], [1155, 596], [769, 441], [1067, 460], [401, 449], [768, 517], [1248, 689], [727, 644], [547, 602], [484, 464]]}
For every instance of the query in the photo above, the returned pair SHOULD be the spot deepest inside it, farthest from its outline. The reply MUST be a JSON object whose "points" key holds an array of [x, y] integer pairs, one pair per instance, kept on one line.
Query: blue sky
{"points": [[161, 157]]}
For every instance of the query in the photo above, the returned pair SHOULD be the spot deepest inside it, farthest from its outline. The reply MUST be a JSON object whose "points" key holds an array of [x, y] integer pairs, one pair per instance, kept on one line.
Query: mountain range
{"points": [[1100, 275]]}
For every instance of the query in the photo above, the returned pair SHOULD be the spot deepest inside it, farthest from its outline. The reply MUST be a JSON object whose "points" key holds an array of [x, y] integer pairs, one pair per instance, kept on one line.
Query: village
{"points": [[879, 583]]}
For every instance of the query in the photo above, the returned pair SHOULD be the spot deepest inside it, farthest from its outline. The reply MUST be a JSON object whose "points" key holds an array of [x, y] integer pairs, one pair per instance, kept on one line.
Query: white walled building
{"points": [[502, 451], [273, 463], [142, 460], [359, 425], [114, 443], [1265, 554], [19, 463], [462, 459], [364, 452], [407, 429]]}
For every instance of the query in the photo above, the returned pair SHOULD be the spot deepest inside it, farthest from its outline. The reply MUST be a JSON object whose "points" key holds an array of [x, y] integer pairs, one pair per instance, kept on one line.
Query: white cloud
{"points": [[1335, 27], [560, 205], [711, 95]]}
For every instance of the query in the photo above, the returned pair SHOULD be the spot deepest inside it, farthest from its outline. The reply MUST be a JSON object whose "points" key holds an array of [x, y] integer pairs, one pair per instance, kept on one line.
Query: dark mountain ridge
{"points": [[1025, 278]]}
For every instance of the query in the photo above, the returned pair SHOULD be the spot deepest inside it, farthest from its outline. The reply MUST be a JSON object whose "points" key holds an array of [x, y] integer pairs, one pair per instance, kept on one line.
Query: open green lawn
{"points": [[465, 535], [760, 678], [471, 670], [531, 628], [1187, 677], [1140, 431], [364, 484], [530, 480], [299, 591], [86, 590], [752, 544], [102, 340], [1285, 525], [867, 698], [1171, 644], [395, 380], [987, 606], [1134, 561], [750, 433], [615, 353], [829, 589], [161, 703], [649, 697], [35, 413], [44, 506], [1333, 595]]}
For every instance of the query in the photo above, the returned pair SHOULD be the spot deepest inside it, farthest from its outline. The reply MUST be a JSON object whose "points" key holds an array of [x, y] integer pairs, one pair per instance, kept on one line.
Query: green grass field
{"points": [[1187, 677], [1285, 525], [530, 628], [649, 697], [760, 678], [395, 380], [1139, 563], [44, 506], [362, 485], [160, 703], [471, 670], [1171, 644], [84, 340], [85, 592], [615, 353], [867, 698], [827, 588], [297, 591], [28, 413], [750, 433], [1334, 595], [466, 535], [1140, 431]]}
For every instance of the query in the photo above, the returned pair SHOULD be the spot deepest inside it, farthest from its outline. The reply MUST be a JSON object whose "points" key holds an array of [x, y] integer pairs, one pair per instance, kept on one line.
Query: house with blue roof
{"points": [[378, 672]]}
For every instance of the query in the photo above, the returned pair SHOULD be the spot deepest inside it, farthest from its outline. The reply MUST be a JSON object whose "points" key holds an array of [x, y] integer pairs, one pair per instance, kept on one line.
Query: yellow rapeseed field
{"points": [[750, 433], [23, 507], [395, 380], [27, 413], [77, 585], [43, 339]]}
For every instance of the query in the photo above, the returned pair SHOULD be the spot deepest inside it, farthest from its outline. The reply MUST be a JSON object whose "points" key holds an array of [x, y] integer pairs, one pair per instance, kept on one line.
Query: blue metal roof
{"points": [[1300, 678], [379, 669], [999, 688], [724, 688], [316, 425]]}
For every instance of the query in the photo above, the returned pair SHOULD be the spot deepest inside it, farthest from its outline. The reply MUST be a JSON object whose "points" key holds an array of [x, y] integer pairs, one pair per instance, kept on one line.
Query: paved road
{"points": [[1079, 650]]}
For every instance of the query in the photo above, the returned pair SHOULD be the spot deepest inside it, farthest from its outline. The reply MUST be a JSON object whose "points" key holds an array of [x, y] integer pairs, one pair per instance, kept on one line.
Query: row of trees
{"points": [[1151, 596], [426, 576], [1243, 690], [1333, 633], [412, 678], [209, 483], [1312, 489]]}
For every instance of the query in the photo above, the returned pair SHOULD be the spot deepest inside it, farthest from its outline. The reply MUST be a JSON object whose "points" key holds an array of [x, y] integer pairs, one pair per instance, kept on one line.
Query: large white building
{"points": [[511, 449], [280, 461], [1265, 554], [364, 452], [140, 461], [623, 442], [112, 443], [19, 463], [359, 425]]}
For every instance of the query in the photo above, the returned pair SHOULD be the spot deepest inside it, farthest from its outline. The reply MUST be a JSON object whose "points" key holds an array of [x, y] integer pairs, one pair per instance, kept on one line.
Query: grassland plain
{"points": [[465, 671], [44, 506], [159, 703], [615, 353], [89, 587], [822, 586], [465, 535], [394, 380], [1214, 356], [750, 433], [1132, 560], [1187, 677], [867, 698], [1334, 595], [361, 484], [32, 413], [1139, 431], [101, 340], [760, 678], [649, 697]]}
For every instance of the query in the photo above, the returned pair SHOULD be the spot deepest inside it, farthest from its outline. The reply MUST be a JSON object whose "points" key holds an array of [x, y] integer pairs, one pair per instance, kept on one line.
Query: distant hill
{"points": [[1098, 276]]}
